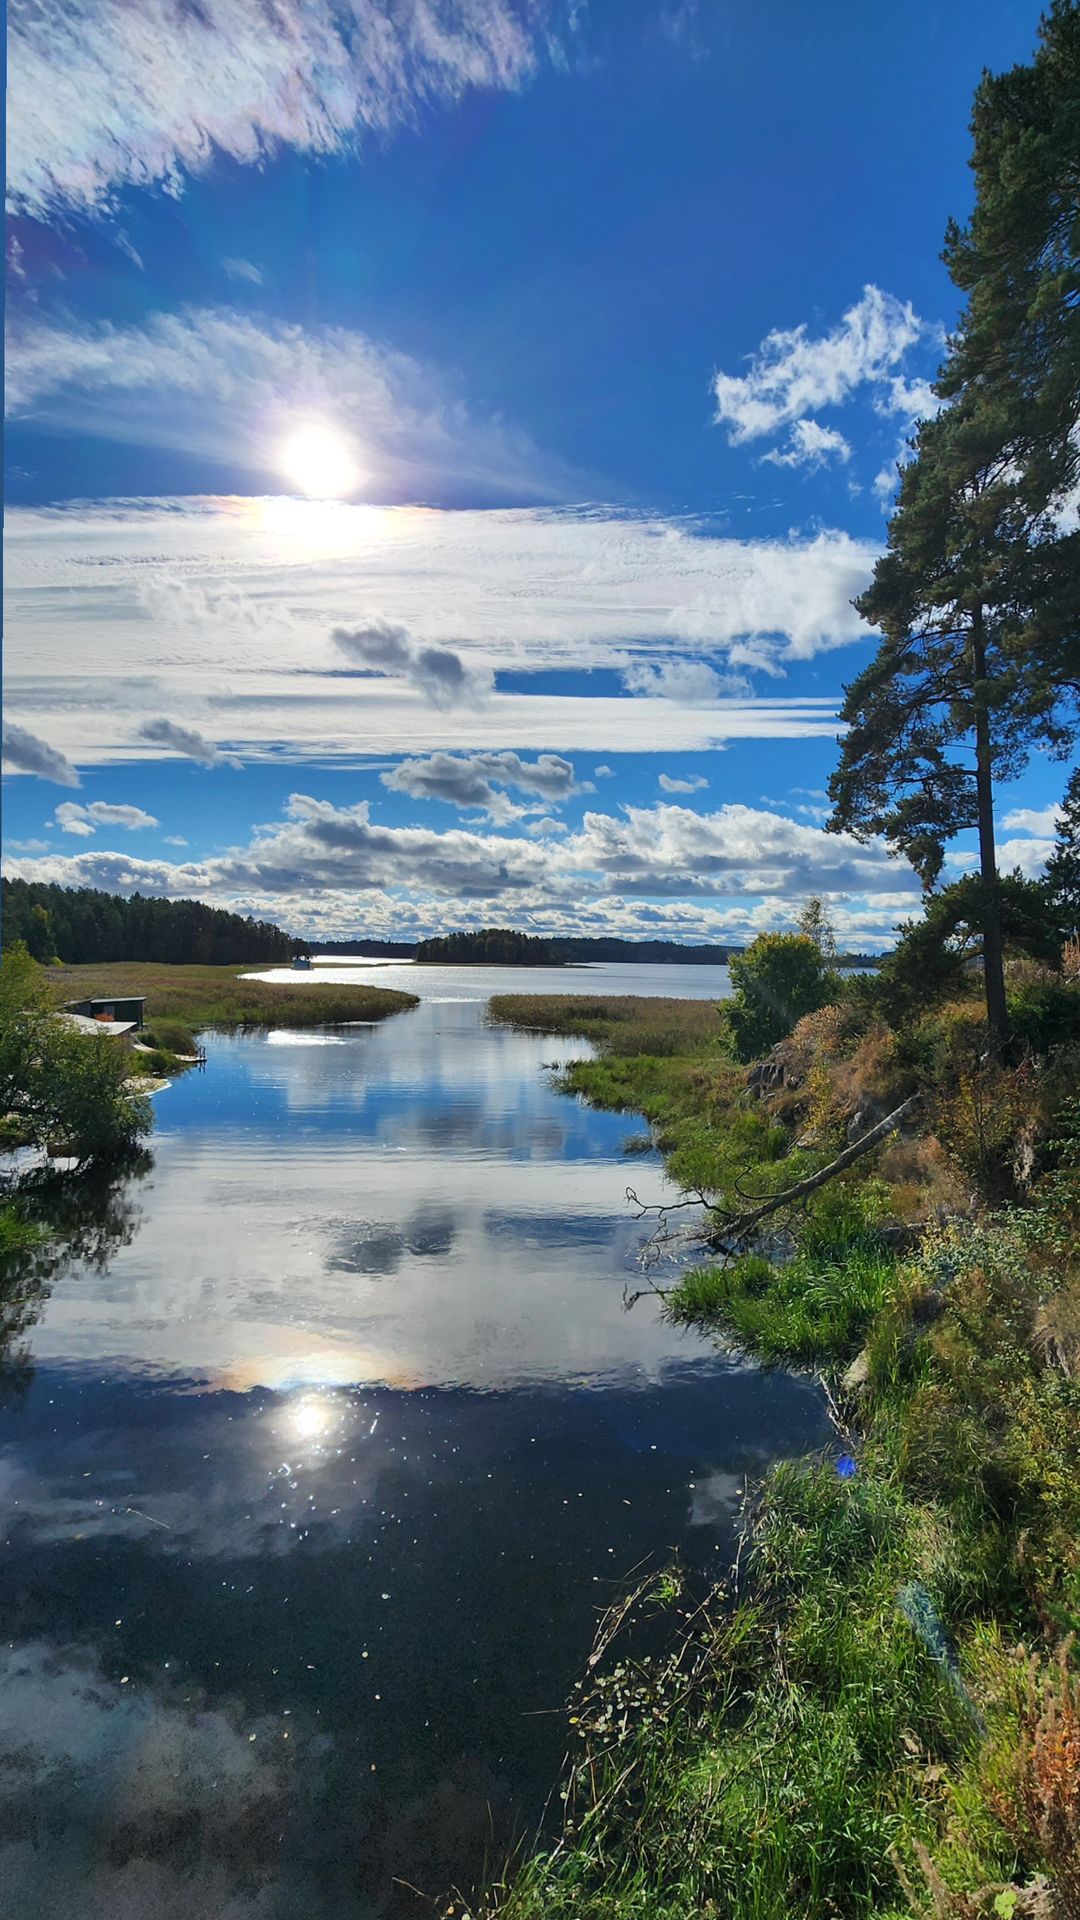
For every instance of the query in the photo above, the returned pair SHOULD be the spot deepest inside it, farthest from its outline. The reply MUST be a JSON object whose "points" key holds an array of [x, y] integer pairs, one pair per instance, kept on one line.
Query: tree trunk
{"points": [[993, 943]]}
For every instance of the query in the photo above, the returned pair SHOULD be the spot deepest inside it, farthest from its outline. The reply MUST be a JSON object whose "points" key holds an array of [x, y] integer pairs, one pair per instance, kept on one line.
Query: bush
{"points": [[87, 1105], [170, 1036], [779, 978], [60, 1086], [1044, 1013]]}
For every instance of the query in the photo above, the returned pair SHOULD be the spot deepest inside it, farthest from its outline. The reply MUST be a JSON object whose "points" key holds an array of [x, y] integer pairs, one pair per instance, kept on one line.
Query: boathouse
{"points": [[128, 1010]]}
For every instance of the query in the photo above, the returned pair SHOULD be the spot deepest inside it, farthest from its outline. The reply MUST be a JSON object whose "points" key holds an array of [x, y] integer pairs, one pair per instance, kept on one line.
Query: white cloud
{"points": [[186, 741], [103, 96], [681, 679], [72, 820], [208, 379], [175, 840], [810, 445], [695, 783], [670, 850], [475, 782], [542, 829], [219, 614], [83, 821], [1030, 856], [1037, 820], [382, 646], [24, 752], [914, 399], [321, 857], [885, 483], [792, 375], [604, 773], [243, 270]]}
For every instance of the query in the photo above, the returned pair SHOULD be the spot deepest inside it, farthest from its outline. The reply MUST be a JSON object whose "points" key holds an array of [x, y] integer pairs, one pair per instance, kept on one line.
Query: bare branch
{"points": [[740, 1226]]}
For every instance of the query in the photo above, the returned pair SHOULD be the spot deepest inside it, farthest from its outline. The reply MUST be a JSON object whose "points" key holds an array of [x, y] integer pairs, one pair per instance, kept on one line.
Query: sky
{"points": [[444, 440]]}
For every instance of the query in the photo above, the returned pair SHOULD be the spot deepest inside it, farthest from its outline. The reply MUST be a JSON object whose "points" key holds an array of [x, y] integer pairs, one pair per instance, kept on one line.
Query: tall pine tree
{"points": [[978, 595]]}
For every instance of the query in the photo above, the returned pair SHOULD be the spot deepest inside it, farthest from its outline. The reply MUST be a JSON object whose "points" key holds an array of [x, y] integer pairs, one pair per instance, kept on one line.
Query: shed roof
{"points": [[83, 1024]]}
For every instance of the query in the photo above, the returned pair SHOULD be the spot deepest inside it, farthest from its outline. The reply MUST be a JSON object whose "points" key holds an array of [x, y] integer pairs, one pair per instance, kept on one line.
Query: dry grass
{"points": [[219, 997], [629, 1025], [923, 1181]]}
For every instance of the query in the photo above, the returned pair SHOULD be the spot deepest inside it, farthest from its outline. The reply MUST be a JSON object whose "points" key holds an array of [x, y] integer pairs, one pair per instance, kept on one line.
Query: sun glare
{"points": [[318, 461], [311, 1418]]}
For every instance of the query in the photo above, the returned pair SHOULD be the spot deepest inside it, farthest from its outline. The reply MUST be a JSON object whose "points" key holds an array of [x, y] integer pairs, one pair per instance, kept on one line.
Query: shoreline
{"points": [[848, 1727]]}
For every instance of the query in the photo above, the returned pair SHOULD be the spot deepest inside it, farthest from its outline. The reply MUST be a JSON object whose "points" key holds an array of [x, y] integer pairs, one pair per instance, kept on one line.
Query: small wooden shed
{"points": [[128, 1009]]}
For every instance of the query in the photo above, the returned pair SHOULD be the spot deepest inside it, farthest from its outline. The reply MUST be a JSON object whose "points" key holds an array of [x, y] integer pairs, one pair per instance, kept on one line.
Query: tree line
{"points": [[79, 925]]}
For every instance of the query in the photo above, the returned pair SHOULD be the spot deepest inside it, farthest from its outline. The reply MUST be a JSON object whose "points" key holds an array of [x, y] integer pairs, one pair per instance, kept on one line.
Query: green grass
{"points": [[199, 997], [770, 1768], [811, 1308], [17, 1233]]}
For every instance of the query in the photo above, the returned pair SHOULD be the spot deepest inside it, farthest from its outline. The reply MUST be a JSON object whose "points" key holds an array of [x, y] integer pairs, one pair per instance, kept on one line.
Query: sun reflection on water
{"points": [[313, 1421]]}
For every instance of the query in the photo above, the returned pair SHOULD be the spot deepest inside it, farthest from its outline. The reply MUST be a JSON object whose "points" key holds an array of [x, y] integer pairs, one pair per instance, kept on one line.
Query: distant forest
{"points": [[501, 946], [80, 925]]}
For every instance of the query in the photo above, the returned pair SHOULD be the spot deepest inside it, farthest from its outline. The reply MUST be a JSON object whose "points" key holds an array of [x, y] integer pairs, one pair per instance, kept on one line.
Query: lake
{"points": [[329, 1441]]}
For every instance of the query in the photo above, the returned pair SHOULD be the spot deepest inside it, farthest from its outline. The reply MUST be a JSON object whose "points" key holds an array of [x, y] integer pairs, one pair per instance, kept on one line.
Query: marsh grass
{"points": [[201, 997], [623, 1024]]}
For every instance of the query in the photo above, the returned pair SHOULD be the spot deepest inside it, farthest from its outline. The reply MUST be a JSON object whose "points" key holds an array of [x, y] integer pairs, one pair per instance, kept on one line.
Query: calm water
{"points": [[328, 1442]]}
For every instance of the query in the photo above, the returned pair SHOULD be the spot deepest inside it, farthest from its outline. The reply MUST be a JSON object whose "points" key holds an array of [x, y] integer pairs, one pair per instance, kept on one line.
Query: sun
{"points": [[319, 462]]}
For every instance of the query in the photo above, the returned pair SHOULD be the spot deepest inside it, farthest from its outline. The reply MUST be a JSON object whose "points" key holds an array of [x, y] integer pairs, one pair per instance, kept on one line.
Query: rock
{"points": [[857, 1376], [866, 1117]]}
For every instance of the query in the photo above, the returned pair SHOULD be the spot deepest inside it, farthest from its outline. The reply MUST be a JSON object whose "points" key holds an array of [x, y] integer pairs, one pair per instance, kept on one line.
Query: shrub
{"points": [[779, 978], [1043, 1809], [59, 1085], [1044, 1012], [170, 1036]]}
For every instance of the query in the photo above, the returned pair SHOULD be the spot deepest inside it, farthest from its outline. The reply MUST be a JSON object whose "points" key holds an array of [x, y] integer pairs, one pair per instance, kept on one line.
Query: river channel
{"points": [[320, 1454]]}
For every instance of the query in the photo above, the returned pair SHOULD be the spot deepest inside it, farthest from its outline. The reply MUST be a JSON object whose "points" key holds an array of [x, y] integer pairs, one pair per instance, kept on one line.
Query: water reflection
{"points": [[86, 1219], [378, 1247], [331, 1449]]}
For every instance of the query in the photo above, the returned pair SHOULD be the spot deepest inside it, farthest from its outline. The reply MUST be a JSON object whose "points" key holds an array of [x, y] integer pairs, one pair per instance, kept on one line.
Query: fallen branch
{"points": [[740, 1225]]}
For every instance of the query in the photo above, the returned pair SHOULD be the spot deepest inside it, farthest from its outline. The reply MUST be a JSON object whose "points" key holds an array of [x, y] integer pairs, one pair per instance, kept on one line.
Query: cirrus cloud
{"points": [[102, 95]]}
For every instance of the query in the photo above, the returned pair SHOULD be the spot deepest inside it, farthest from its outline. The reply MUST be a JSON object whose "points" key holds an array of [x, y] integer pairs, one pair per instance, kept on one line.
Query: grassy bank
{"points": [[883, 1718], [197, 997]]}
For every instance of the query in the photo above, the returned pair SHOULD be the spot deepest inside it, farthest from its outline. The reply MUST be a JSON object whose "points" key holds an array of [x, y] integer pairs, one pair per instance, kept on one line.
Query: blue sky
{"points": [[444, 441]]}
